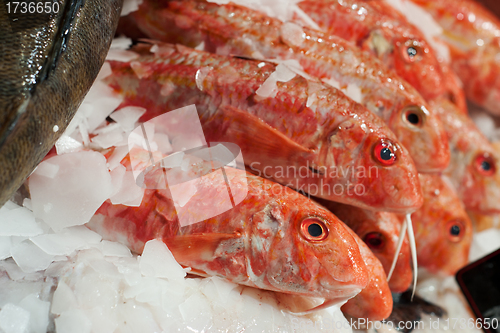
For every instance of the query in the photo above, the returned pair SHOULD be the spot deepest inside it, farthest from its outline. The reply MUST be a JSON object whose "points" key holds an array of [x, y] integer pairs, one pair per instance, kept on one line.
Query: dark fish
{"points": [[48, 62]]}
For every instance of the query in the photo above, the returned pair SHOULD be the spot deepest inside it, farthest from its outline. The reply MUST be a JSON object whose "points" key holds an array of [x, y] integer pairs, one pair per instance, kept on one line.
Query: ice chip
{"points": [[5, 245], [82, 185], [114, 249], [73, 321], [130, 194], [47, 170], [39, 313], [14, 319], [66, 144], [173, 160], [128, 116], [158, 261], [63, 299], [19, 222], [30, 257]]}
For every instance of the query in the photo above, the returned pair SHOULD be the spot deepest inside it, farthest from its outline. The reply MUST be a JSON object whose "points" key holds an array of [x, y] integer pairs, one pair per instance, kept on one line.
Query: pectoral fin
{"points": [[189, 248], [257, 138]]}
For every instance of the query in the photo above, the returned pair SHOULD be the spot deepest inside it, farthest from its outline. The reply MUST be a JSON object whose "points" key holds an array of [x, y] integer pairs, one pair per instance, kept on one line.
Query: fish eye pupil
{"points": [[374, 240], [485, 165], [385, 154], [455, 230], [413, 118], [315, 230], [411, 51]]}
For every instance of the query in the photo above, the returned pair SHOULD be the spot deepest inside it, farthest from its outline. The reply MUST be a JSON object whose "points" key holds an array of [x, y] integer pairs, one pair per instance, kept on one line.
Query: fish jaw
{"points": [[427, 142], [374, 302]]}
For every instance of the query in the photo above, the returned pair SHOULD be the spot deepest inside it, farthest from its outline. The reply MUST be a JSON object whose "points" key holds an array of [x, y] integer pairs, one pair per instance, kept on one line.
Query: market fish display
{"points": [[443, 230], [380, 232], [47, 67], [224, 29], [473, 36], [275, 239], [264, 109]]}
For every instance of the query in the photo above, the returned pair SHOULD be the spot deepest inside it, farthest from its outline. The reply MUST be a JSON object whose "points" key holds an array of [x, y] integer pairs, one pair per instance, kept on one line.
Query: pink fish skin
{"points": [[224, 29], [380, 232], [265, 241], [443, 230], [473, 36], [335, 140], [474, 167], [374, 302], [378, 28]]}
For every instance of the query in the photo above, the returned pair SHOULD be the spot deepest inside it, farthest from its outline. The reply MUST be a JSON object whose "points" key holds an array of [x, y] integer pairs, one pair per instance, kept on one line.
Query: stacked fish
{"points": [[370, 106]]}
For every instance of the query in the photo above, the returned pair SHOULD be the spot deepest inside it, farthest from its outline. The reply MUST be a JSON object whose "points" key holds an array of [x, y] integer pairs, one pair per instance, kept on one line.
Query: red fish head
{"points": [[317, 256], [380, 232], [375, 301], [443, 230], [420, 131], [391, 178], [475, 163], [415, 61]]}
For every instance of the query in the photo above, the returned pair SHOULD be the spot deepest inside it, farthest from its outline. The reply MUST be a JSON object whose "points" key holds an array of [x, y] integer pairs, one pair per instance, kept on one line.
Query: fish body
{"points": [[48, 65], [473, 36], [265, 241], [225, 29], [378, 28], [474, 166], [380, 232], [443, 230], [331, 141]]}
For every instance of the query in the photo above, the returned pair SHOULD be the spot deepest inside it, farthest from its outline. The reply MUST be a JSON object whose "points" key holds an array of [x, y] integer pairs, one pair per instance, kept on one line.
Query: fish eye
{"points": [[414, 115], [485, 165], [374, 240], [411, 51], [455, 230], [385, 153], [313, 229]]}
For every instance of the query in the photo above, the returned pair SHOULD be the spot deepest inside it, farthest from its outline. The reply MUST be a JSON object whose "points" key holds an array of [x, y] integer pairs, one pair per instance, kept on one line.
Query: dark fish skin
{"points": [[48, 63]]}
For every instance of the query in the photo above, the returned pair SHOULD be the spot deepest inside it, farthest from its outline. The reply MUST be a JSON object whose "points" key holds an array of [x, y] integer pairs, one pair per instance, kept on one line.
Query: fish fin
{"points": [[188, 248], [401, 237], [413, 250], [244, 128], [326, 304]]}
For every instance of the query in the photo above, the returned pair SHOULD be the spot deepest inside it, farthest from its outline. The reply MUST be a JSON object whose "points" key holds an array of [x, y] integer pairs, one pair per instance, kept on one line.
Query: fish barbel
{"points": [[224, 29], [331, 140], [378, 28], [48, 63], [380, 232], [473, 168], [443, 230], [274, 239], [473, 36]]}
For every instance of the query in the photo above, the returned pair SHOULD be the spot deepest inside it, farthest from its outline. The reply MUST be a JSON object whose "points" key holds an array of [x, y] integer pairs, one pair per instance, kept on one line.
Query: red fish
{"points": [[331, 142], [275, 239], [224, 29], [474, 167], [473, 36], [374, 302], [380, 232], [377, 27], [443, 230]]}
